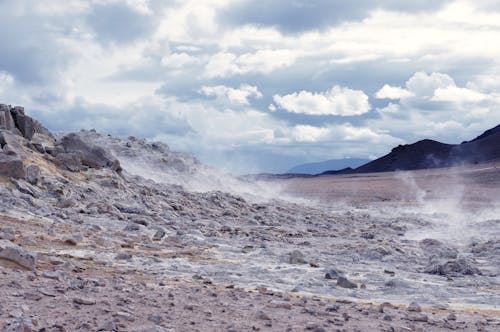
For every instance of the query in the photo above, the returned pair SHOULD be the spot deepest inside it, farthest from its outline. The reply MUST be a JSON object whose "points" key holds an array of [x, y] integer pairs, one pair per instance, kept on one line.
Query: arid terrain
{"points": [[121, 234]]}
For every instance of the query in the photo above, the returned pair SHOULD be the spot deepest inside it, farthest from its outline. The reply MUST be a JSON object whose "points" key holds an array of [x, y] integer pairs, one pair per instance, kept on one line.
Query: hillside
{"points": [[432, 154]]}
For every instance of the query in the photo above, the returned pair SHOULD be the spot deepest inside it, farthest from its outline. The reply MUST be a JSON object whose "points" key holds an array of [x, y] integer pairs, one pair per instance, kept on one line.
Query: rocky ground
{"points": [[121, 234]]}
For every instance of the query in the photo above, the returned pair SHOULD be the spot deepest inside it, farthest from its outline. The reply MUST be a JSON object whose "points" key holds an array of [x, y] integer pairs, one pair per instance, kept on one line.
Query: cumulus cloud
{"points": [[338, 100], [436, 107], [392, 92], [238, 96]]}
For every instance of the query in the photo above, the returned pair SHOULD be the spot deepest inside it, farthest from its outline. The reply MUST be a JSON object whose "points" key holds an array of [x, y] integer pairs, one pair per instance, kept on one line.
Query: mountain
{"points": [[328, 165], [433, 154]]}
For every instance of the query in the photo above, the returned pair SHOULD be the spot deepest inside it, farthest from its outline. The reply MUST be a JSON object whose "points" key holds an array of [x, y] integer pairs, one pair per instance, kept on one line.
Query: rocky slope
{"points": [[99, 233], [432, 154]]}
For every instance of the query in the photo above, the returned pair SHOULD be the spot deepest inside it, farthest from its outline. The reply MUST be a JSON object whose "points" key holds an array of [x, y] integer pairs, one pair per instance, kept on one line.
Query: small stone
{"points": [[345, 283], [56, 275], [296, 257], [71, 242], [451, 316], [84, 300], [417, 317], [159, 235], [332, 274], [414, 307], [280, 304], [262, 315], [387, 318]]}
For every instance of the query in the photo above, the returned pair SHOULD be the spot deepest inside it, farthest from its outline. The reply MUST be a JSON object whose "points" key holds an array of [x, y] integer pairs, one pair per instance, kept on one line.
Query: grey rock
{"points": [[16, 254], [296, 257], [23, 122], [12, 166], [417, 317], [6, 120], [345, 283], [159, 235], [332, 274], [84, 300], [414, 307], [19, 325], [33, 174], [69, 161], [91, 155], [454, 267]]}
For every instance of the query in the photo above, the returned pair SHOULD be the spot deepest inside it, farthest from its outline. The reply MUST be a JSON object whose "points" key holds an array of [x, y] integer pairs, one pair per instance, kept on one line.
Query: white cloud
{"points": [[179, 60], [458, 95], [422, 84], [392, 92], [234, 96], [336, 101], [226, 64], [305, 133], [439, 109]]}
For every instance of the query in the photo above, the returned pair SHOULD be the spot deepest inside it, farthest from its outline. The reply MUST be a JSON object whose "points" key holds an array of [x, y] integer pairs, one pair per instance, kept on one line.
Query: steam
{"points": [[201, 178], [448, 204]]}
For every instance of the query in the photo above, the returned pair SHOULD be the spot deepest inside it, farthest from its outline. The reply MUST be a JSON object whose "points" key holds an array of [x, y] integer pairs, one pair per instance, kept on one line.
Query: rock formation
{"points": [[24, 141]]}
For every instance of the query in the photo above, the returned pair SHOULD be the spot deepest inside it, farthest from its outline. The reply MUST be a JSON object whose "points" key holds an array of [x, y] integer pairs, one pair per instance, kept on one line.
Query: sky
{"points": [[257, 86]]}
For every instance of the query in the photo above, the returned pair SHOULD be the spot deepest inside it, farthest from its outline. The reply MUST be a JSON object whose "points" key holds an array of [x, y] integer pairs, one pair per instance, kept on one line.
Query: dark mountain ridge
{"points": [[433, 154]]}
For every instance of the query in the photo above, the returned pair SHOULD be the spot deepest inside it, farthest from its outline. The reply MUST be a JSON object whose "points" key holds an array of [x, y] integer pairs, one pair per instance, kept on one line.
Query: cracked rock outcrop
{"points": [[25, 142]]}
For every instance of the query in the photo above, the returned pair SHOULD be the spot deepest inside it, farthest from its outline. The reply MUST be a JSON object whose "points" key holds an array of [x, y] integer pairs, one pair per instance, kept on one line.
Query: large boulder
{"points": [[91, 155], [6, 120], [23, 122], [12, 166], [16, 254], [10, 143]]}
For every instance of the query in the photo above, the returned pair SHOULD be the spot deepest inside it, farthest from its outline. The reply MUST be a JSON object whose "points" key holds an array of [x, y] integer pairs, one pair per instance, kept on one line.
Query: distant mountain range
{"points": [[433, 154], [328, 165]]}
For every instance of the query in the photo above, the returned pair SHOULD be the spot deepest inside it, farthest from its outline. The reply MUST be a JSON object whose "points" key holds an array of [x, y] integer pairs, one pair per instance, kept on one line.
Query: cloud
{"points": [[225, 64], [120, 22], [234, 96], [301, 15], [392, 92], [336, 101], [436, 107]]}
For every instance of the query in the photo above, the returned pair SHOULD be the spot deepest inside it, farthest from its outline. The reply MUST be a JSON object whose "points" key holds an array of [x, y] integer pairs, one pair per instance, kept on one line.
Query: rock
{"points": [[56, 275], [345, 283], [20, 325], [72, 241], [10, 144], [84, 300], [23, 122], [296, 257], [33, 174], [332, 274], [451, 316], [124, 256], [436, 249], [262, 315], [417, 317], [280, 304], [91, 155], [69, 161], [6, 120], [454, 267], [16, 254], [12, 166], [108, 326], [414, 307], [159, 235]]}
